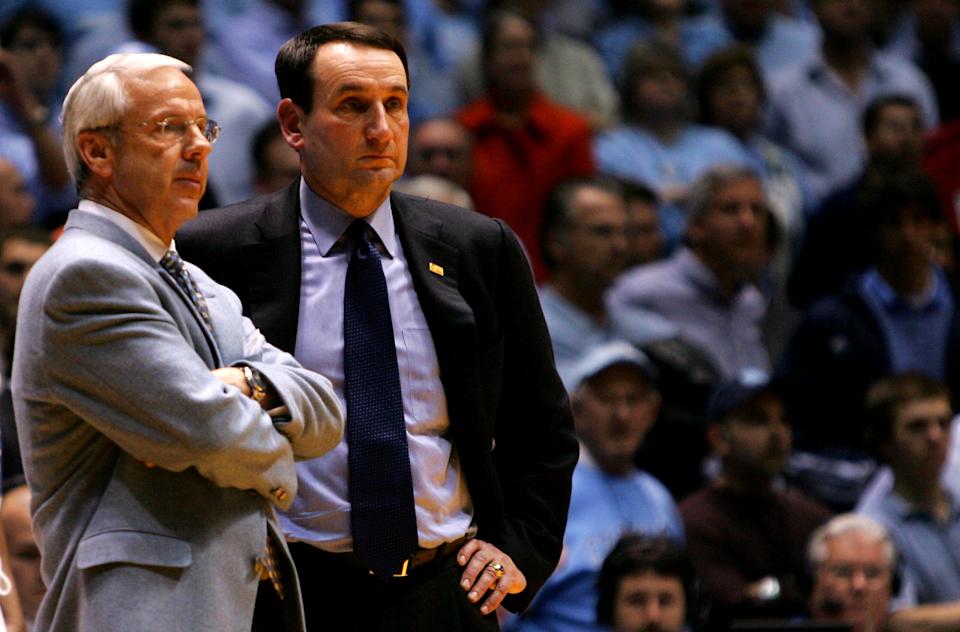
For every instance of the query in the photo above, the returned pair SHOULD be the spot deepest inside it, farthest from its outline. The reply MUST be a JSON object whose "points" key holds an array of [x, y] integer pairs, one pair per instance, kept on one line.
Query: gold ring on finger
{"points": [[497, 569]]}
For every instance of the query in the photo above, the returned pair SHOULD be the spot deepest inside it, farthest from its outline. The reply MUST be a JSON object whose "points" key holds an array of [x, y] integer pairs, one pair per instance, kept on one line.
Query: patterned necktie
{"points": [[173, 264], [382, 514]]}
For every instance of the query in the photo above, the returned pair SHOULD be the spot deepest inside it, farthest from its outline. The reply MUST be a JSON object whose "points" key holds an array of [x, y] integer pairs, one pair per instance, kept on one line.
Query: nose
{"points": [[653, 612], [378, 127], [859, 580], [196, 147]]}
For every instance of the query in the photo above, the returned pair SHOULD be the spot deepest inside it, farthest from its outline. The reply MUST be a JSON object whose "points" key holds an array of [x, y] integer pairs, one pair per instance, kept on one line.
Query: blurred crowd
{"points": [[743, 216]]}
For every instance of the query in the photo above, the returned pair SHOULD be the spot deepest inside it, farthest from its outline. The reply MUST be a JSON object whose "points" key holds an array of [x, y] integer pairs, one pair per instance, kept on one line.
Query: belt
{"points": [[420, 560]]}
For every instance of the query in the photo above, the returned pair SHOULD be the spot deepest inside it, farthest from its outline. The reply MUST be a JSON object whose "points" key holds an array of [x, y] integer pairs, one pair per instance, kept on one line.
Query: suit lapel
{"points": [[272, 268], [111, 232], [434, 266]]}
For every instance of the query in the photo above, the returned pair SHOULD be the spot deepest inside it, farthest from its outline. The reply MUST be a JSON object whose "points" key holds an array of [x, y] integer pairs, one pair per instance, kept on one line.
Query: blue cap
{"points": [[737, 394]]}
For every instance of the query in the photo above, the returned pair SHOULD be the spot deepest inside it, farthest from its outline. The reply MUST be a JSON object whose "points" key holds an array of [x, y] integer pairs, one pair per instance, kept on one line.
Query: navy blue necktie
{"points": [[382, 514]]}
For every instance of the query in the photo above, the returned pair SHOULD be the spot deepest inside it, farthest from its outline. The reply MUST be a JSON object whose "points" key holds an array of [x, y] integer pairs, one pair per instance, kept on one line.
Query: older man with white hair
{"points": [[158, 427], [852, 559]]}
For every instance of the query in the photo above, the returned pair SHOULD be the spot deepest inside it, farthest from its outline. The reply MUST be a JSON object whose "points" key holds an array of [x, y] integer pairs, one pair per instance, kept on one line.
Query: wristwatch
{"points": [[257, 390]]}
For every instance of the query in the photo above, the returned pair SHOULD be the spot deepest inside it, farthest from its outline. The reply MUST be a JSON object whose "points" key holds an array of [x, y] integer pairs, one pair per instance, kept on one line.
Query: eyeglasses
{"points": [[174, 128]]}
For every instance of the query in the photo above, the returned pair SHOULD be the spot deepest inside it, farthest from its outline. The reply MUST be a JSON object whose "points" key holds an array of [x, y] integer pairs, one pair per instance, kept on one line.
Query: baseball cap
{"points": [[602, 357]]}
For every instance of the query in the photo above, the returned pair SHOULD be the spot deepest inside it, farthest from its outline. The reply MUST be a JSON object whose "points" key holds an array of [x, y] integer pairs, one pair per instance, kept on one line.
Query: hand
{"points": [[478, 577], [233, 376]]}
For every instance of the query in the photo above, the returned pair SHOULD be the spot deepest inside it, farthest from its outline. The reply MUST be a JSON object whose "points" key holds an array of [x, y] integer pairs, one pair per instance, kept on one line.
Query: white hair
{"points": [[817, 551], [99, 99]]}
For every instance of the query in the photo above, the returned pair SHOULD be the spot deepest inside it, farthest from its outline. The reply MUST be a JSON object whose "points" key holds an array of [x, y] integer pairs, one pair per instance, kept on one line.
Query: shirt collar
{"points": [[817, 68], [895, 504], [877, 287], [328, 223], [143, 235]]}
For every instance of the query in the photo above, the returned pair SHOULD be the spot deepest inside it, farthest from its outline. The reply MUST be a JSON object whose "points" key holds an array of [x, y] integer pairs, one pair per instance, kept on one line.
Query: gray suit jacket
{"points": [[111, 373]]}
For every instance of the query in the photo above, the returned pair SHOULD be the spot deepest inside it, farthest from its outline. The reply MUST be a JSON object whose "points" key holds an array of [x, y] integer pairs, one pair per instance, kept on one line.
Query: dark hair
{"points": [[887, 192], [871, 115], [635, 553], [888, 395], [713, 70], [633, 190], [644, 57], [141, 14], [297, 54], [559, 211], [353, 7], [31, 16]]}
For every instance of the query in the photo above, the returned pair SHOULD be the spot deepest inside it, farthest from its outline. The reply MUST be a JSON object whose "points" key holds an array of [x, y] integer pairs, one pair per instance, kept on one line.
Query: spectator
{"points": [[16, 201], [657, 145], [441, 147], [647, 584], [175, 28], [615, 402], [30, 64], [524, 145], [275, 164], [898, 315], [816, 106], [584, 246], [745, 534], [908, 417], [706, 289], [568, 71], [24, 554], [731, 95], [833, 249], [853, 561], [645, 240]]}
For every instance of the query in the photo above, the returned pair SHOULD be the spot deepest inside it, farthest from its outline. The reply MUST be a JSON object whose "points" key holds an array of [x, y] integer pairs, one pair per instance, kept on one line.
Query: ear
{"points": [[97, 152], [290, 115]]}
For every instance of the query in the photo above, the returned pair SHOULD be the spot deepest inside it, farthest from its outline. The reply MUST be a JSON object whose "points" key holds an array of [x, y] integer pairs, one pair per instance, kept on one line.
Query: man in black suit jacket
{"points": [[502, 411]]}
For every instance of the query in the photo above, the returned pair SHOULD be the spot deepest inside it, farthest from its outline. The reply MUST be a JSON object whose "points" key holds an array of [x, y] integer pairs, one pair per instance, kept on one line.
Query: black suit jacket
{"points": [[509, 414]]}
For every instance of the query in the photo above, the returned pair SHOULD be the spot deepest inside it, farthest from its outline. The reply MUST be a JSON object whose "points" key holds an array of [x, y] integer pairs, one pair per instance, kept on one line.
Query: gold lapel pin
{"points": [[436, 269]]}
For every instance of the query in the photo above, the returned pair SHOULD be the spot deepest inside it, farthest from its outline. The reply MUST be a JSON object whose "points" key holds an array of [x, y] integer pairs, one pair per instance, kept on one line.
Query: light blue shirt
{"points": [[817, 116], [320, 513], [929, 550], [916, 331], [573, 332], [603, 507], [684, 291]]}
